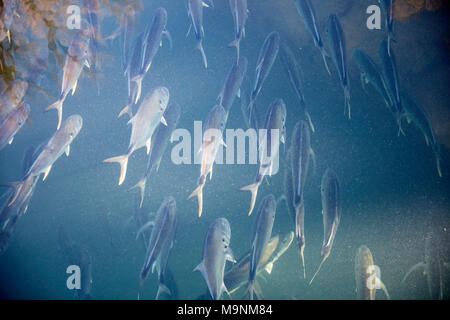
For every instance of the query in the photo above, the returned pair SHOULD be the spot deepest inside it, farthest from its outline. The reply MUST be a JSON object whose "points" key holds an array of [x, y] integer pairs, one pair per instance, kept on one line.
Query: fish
{"points": [[58, 144], [414, 113], [364, 272], [93, 7], [288, 187], [144, 123], [195, 12], [301, 152], [331, 212], [390, 76], [153, 34], [76, 58], [237, 276], [12, 96], [261, 235], [12, 123], [128, 24], [160, 139], [267, 55], [134, 81], [240, 14], [232, 84], [336, 44], [307, 14], [216, 252], [293, 71], [212, 140], [370, 73], [160, 237], [275, 122], [432, 265], [170, 283], [389, 12]]}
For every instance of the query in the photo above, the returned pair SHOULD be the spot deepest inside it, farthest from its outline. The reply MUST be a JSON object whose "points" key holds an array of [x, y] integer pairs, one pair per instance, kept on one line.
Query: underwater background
{"points": [[391, 193]]}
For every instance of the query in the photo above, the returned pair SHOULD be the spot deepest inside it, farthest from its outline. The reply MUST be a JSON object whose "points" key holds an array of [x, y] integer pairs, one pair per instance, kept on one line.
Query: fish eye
{"points": [[20, 123], [71, 134]]}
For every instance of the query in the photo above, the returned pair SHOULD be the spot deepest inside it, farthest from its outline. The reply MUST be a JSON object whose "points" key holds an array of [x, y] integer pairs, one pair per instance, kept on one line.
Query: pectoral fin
{"points": [[67, 150], [163, 121], [414, 268], [148, 145], [74, 88], [269, 267], [46, 172], [11, 140]]}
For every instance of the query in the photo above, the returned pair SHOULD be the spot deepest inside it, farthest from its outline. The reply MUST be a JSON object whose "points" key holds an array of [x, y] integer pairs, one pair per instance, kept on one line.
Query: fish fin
{"points": [[189, 30], [318, 269], [67, 151], [239, 93], [147, 225], [198, 192], [254, 288], [148, 144], [166, 33], [324, 57], [268, 267], [223, 143], [427, 141], [46, 172], [141, 185], [123, 161], [163, 121], [347, 101], [253, 188], [11, 140], [16, 186], [202, 51], [210, 173], [229, 256], [438, 165], [74, 88], [162, 288], [87, 65], [383, 287], [139, 89], [311, 125], [413, 268], [126, 110], [204, 4], [201, 267], [58, 106], [8, 34]]}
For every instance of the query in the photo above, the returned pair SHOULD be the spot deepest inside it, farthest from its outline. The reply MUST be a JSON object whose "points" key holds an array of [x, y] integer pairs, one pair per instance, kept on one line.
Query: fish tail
{"points": [[140, 290], [123, 161], [141, 185], [438, 165], [202, 51], [235, 43], [162, 288], [58, 105], [198, 192], [253, 188], [139, 89], [318, 269], [253, 289], [126, 110], [324, 57], [17, 187]]}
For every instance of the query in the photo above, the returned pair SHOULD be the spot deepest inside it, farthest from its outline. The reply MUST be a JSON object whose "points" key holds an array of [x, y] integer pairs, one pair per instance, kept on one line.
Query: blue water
{"points": [[391, 193]]}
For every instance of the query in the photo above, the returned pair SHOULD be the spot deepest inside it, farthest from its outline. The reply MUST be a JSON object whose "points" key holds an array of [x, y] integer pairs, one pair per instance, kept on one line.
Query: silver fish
{"points": [[331, 212], [12, 123], [261, 236], [415, 114], [144, 123], [370, 74], [58, 144], [212, 140], [216, 251], [275, 121], [128, 23], [134, 76], [307, 13], [390, 76], [364, 272], [301, 152], [433, 265], [161, 237], [233, 82], [195, 12], [153, 38], [237, 276], [293, 71], [267, 55], [160, 139], [337, 47], [76, 58], [240, 14]]}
